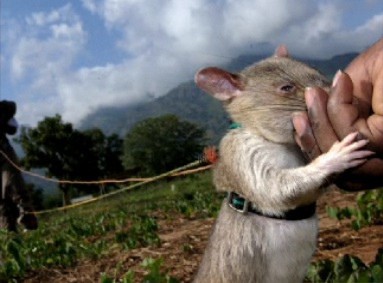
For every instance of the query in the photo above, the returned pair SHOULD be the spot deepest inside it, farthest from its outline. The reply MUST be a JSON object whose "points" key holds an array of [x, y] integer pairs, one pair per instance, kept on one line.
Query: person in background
{"points": [[355, 103], [15, 200]]}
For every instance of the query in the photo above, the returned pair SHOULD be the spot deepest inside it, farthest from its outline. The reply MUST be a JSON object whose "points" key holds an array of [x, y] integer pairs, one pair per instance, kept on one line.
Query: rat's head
{"points": [[263, 96]]}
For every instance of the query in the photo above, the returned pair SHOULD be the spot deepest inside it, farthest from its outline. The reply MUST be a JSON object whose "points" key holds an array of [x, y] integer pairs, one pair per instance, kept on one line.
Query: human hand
{"points": [[355, 105]]}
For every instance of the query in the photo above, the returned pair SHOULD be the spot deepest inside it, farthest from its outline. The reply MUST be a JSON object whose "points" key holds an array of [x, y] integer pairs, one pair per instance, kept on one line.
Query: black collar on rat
{"points": [[242, 205]]}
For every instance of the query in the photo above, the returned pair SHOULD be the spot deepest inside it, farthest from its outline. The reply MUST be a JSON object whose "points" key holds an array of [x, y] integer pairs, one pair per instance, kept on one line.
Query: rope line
{"points": [[149, 180], [183, 170], [93, 182]]}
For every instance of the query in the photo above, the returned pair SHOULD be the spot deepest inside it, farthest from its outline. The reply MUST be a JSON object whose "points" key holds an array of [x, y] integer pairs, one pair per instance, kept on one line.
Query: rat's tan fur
{"points": [[261, 162]]}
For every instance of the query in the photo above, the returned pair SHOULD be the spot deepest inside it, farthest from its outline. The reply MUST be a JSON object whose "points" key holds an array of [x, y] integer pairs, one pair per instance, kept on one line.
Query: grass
{"points": [[128, 221], [124, 221]]}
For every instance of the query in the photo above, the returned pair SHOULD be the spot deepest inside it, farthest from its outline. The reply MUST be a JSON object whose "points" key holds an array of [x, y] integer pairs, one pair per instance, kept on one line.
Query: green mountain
{"points": [[185, 101], [190, 103]]}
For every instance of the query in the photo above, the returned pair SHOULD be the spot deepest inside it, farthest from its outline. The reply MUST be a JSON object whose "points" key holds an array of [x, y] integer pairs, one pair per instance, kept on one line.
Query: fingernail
{"points": [[301, 128], [309, 97], [336, 78]]}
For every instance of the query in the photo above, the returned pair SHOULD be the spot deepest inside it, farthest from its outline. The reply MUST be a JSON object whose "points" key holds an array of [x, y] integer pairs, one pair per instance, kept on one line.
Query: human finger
{"points": [[304, 136], [316, 101]]}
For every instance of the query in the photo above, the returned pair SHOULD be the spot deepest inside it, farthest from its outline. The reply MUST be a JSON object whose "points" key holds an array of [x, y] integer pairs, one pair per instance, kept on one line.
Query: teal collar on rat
{"points": [[235, 125], [244, 206]]}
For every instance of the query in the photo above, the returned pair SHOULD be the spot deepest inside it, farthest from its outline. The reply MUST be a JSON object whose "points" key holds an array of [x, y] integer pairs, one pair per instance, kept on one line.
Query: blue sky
{"points": [[71, 57]]}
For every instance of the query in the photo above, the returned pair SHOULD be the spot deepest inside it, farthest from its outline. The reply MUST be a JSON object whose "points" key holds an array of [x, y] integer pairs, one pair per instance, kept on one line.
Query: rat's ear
{"points": [[219, 83], [281, 51]]}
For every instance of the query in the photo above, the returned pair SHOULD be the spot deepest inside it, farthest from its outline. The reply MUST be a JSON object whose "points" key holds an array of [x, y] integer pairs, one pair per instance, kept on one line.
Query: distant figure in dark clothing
{"points": [[15, 200]]}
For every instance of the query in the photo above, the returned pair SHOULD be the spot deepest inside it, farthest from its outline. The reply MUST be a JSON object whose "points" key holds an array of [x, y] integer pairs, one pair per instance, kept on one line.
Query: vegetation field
{"points": [[158, 233]]}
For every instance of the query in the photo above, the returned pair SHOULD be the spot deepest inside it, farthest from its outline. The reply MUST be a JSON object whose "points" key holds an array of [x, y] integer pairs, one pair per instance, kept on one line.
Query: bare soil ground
{"points": [[183, 242]]}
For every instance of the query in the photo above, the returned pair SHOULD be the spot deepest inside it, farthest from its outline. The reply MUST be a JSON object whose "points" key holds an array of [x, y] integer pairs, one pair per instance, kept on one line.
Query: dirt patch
{"points": [[183, 242]]}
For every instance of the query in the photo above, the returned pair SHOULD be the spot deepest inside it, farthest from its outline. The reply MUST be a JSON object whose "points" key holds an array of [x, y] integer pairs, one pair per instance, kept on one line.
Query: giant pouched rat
{"points": [[267, 227]]}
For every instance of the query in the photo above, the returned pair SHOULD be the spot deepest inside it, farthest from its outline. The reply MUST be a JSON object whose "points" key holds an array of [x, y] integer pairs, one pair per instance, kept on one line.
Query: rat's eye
{"points": [[287, 88]]}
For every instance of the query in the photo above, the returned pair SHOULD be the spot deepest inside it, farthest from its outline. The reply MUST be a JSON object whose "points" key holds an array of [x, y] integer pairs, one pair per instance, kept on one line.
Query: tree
{"points": [[107, 153], [66, 153], [156, 145]]}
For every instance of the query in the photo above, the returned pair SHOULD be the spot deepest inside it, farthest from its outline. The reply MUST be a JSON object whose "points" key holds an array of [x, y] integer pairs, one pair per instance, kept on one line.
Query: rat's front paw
{"points": [[343, 155]]}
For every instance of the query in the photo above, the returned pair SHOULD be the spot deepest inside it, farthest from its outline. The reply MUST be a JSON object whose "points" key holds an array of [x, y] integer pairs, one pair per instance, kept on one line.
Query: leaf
{"points": [[364, 276], [332, 212], [345, 267], [356, 225], [128, 277], [377, 273], [106, 279], [379, 257]]}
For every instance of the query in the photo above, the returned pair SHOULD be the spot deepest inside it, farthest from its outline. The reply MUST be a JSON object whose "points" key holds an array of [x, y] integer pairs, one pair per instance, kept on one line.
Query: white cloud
{"points": [[90, 5], [41, 19], [41, 55], [165, 42], [258, 21], [371, 29], [50, 42]]}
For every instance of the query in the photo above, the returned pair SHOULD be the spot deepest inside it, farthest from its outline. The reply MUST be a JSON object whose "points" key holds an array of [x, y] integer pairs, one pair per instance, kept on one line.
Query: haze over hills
{"points": [[190, 103]]}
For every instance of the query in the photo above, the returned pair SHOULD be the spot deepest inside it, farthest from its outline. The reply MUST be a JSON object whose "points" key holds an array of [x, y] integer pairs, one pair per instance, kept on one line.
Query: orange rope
{"points": [[107, 181], [192, 171], [163, 175]]}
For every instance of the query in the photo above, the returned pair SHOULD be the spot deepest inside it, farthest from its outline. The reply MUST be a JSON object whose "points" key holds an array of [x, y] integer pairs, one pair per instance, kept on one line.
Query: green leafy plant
{"points": [[347, 269], [59, 245], [129, 277], [153, 266], [142, 233], [153, 274], [369, 210], [201, 204], [13, 262]]}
